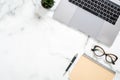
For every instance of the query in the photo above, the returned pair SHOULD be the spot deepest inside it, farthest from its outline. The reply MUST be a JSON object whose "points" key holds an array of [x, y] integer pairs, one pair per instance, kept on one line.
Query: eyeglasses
{"points": [[99, 51]]}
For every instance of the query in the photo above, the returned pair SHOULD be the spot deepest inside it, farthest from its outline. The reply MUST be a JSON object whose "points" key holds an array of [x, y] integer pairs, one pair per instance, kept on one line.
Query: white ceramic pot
{"points": [[39, 10]]}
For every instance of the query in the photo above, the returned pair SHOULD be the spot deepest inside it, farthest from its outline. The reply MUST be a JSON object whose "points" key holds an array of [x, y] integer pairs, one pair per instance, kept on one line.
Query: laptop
{"points": [[96, 18]]}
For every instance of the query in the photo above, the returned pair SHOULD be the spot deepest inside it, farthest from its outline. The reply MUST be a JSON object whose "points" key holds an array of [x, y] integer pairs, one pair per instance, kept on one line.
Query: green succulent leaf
{"points": [[47, 3]]}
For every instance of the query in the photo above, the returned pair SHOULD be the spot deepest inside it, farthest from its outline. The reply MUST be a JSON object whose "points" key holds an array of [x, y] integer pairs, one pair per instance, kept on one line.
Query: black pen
{"points": [[71, 62]]}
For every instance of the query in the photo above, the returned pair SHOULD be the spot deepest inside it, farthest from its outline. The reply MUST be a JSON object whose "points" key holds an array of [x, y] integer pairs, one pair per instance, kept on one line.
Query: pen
{"points": [[71, 62]]}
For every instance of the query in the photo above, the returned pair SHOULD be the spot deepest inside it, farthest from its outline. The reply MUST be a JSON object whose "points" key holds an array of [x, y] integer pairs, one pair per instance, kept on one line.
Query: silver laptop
{"points": [[96, 18]]}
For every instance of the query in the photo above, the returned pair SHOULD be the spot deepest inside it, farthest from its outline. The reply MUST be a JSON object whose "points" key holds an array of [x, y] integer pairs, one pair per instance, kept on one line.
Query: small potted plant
{"points": [[43, 7], [47, 3]]}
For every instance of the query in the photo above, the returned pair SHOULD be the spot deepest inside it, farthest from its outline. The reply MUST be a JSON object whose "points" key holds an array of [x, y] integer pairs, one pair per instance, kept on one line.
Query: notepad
{"points": [[88, 69]]}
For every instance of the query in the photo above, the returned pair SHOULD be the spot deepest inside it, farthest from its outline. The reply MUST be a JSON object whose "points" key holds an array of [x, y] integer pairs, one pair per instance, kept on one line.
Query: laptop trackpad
{"points": [[86, 22]]}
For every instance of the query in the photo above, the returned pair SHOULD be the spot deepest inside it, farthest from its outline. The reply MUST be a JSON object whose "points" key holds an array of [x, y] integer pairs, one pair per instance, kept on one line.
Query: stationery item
{"points": [[88, 69], [99, 52], [72, 61]]}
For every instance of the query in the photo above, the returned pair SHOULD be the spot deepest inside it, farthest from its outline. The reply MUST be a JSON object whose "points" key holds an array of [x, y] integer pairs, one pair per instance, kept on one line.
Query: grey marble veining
{"points": [[36, 49], [9, 6]]}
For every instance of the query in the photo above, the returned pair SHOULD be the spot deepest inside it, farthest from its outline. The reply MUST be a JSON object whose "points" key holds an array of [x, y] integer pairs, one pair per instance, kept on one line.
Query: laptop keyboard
{"points": [[104, 9]]}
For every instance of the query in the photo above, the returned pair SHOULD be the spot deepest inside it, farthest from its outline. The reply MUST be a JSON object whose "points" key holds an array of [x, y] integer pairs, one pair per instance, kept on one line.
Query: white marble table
{"points": [[39, 49]]}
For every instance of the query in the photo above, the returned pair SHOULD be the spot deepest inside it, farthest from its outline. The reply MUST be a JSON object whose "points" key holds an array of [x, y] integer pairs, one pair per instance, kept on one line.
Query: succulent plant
{"points": [[47, 3]]}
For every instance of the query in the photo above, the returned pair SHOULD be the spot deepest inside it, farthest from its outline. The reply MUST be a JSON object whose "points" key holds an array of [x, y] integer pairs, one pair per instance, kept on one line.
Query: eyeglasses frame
{"points": [[104, 53]]}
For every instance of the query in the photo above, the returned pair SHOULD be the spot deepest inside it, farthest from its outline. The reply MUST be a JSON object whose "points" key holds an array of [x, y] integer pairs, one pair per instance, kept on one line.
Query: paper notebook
{"points": [[88, 69]]}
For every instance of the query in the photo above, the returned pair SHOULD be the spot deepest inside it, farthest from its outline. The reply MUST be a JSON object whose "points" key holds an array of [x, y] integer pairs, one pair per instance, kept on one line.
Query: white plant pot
{"points": [[40, 11]]}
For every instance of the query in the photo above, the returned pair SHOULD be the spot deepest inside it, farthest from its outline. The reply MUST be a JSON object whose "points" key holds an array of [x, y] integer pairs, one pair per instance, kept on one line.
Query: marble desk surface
{"points": [[40, 49]]}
